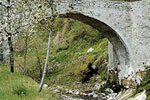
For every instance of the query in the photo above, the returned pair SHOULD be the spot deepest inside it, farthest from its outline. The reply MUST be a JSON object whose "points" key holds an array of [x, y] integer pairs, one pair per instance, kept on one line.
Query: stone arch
{"points": [[119, 46], [118, 51]]}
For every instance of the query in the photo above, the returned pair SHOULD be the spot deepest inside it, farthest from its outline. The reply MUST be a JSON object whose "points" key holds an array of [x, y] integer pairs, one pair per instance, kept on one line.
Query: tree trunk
{"points": [[39, 62], [11, 54], [49, 42], [46, 60], [25, 51], [39, 65]]}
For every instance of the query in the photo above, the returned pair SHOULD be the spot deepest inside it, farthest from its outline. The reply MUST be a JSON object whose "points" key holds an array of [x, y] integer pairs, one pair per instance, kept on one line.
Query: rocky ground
{"points": [[90, 94], [94, 94]]}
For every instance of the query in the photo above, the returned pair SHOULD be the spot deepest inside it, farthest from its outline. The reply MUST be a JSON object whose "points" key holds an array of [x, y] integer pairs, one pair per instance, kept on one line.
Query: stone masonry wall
{"points": [[130, 21]]}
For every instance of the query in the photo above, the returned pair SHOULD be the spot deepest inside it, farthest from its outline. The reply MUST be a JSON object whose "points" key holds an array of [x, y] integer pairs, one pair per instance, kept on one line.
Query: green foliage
{"points": [[20, 91], [15, 86], [68, 55]]}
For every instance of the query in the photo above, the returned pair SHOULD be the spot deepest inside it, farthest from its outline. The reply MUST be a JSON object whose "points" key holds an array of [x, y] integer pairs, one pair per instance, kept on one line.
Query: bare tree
{"points": [[49, 42]]}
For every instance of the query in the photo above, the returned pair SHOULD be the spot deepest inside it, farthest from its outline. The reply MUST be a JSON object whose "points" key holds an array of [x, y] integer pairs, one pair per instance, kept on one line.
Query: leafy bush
{"points": [[20, 91]]}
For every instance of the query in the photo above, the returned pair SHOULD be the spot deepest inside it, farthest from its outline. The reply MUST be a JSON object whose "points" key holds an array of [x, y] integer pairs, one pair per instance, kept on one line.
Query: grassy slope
{"points": [[71, 51], [19, 87], [68, 57]]}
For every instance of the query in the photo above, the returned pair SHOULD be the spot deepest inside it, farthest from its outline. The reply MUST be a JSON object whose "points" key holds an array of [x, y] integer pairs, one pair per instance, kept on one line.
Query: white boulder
{"points": [[90, 50], [45, 86]]}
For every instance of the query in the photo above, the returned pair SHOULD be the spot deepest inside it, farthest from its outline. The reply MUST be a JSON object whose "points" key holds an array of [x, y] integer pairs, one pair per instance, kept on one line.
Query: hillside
{"points": [[15, 86], [68, 58]]}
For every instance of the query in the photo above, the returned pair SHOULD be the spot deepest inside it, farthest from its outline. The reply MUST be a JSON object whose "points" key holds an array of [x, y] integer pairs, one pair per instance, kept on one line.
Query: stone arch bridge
{"points": [[127, 27]]}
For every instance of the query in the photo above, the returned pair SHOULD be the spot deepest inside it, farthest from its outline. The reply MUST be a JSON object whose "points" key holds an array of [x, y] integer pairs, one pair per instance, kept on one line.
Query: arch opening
{"points": [[118, 51]]}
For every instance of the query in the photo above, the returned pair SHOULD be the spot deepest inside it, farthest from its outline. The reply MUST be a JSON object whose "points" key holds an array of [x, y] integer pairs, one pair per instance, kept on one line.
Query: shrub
{"points": [[20, 91]]}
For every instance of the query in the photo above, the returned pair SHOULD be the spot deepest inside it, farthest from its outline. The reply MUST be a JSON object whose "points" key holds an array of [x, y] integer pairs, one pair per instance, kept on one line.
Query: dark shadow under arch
{"points": [[120, 50]]}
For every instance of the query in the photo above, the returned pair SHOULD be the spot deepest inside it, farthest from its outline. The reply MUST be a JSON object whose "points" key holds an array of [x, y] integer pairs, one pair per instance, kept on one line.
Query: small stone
{"points": [[107, 97], [77, 92], [92, 94], [90, 50], [45, 86], [56, 91], [95, 95], [127, 87], [109, 90], [70, 91], [103, 94], [84, 94]]}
